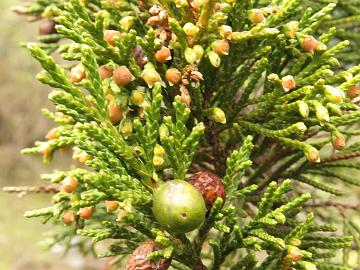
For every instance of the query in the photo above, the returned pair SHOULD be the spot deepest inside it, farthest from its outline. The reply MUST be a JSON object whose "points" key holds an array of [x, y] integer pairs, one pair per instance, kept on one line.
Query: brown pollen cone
{"points": [[105, 72], [139, 55], [210, 185], [139, 260]]}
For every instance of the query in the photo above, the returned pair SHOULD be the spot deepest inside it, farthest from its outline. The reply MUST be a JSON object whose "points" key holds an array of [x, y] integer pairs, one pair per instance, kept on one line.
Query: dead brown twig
{"points": [[340, 157], [24, 190]]}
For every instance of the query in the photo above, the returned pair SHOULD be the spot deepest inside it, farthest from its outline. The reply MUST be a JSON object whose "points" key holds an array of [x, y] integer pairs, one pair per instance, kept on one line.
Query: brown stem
{"points": [[340, 157], [24, 190]]}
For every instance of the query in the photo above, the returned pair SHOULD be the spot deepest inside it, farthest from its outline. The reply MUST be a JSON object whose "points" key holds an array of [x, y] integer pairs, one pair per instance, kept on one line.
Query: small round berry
{"points": [[163, 55], [173, 75], [68, 217], [77, 73], [139, 258], [109, 36], [354, 91], [105, 72], [70, 183], [178, 206], [115, 113], [122, 76], [221, 47], [210, 186], [310, 44], [86, 212], [111, 206], [47, 27]]}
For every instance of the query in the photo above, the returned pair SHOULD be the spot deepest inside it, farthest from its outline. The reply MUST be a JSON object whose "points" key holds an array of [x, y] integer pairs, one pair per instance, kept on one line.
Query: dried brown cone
{"points": [[185, 95], [159, 17], [160, 22], [139, 260], [164, 34], [190, 73], [210, 185], [139, 56]]}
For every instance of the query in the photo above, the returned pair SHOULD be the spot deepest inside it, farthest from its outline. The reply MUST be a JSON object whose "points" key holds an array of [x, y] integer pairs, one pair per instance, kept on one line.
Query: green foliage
{"points": [[265, 88]]}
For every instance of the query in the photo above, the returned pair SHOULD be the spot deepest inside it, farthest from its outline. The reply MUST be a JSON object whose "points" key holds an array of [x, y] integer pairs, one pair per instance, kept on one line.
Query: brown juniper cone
{"points": [[185, 95], [139, 261], [159, 18], [139, 56], [210, 185], [47, 27], [189, 73]]}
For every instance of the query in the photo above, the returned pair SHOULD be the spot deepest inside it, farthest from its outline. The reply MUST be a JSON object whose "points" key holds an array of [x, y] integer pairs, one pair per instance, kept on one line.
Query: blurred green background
{"points": [[21, 123]]}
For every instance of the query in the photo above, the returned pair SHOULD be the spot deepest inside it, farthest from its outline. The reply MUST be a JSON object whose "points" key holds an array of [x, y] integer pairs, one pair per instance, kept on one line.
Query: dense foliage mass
{"points": [[205, 127]]}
